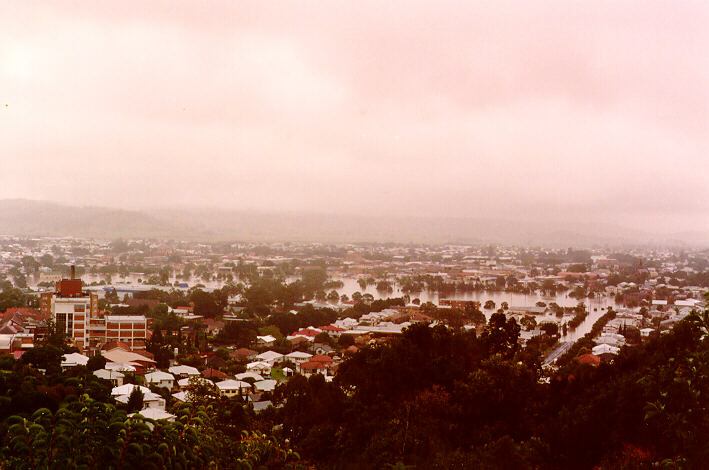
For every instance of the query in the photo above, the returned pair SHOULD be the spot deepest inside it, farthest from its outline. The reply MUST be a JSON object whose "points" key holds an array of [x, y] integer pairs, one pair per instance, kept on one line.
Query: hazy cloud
{"points": [[521, 109]]}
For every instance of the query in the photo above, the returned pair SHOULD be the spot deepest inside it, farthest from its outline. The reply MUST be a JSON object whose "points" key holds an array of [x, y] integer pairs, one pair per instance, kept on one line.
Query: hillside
{"points": [[40, 218]]}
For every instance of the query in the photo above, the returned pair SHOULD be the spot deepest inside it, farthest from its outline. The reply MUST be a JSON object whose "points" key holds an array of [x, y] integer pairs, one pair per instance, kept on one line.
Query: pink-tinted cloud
{"points": [[455, 108]]}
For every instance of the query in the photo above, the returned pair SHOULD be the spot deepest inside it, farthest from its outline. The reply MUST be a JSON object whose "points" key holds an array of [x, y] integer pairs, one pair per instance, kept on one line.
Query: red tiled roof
{"points": [[321, 358], [116, 344], [242, 353], [589, 358], [306, 332], [312, 365], [208, 373], [144, 353], [331, 328]]}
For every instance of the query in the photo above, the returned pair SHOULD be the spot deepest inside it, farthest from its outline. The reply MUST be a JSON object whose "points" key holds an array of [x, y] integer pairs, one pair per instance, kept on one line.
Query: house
{"points": [[605, 351], [74, 359], [243, 354], [187, 382], [265, 341], [183, 371], [249, 375], [181, 396], [322, 358], [265, 385], [589, 359], [156, 414], [271, 357], [646, 332], [215, 362], [119, 355], [332, 330], [113, 376], [231, 388], [213, 326], [311, 367], [160, 379], [307, 332], [261, 405], [260, 367], [150, 400], [213, 374], [298, 357], [321, 348], [127, 389], [120, 366]]}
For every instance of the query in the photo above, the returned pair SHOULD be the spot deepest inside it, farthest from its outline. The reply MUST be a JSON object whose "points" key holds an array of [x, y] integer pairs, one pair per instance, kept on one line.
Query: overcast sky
{"points": [[509, 109]]}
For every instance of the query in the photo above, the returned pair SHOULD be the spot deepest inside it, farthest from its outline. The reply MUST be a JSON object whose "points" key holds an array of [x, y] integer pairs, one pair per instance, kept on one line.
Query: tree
{"points": [[135, 400], [96, 362], [240, 334], [384, 286], [48, 358], [549, 328], [21, 281], [46, 260], [475, 314], [345, 341], [528, 322], [272, 330], [323, 338], [204, 304], [333, 296], [501, 335]]}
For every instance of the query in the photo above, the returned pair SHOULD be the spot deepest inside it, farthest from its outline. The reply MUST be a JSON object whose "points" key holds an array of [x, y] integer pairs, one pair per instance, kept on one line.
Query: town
{"points": [[156, 328], [246, 316]]}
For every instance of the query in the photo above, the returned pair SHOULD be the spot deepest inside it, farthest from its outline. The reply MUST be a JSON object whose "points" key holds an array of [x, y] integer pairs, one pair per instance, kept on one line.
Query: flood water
{"points": [[597, 306]]}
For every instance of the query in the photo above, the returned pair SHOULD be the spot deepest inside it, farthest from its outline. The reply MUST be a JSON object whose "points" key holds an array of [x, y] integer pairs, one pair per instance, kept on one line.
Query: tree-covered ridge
{"points": [[64, 420], [90, 434], [435, 398]]}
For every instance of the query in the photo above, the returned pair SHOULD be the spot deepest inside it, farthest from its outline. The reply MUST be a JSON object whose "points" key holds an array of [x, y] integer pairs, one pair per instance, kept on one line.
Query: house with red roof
{"points": [[332, 330], [210, 373], [243, 354]]}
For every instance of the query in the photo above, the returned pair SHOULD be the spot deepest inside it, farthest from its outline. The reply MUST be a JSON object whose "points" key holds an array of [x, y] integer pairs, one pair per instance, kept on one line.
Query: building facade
{"points": [[76, 314]]}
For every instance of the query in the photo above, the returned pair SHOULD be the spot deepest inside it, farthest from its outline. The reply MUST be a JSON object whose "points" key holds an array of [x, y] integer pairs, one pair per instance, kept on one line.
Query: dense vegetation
{"points": [[441, 399], [435, 397], [63, 420]]}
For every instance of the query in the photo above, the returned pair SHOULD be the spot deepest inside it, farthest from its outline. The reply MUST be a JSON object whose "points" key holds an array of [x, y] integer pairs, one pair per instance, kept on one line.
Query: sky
{"points": [[559, 111]]}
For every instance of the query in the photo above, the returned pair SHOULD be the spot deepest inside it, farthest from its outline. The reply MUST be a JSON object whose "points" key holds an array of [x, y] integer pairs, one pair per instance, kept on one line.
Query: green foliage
{"points": [[433, 398], [90, 434], [135, 400], [238, 333], [96, 362], [501, 335]]}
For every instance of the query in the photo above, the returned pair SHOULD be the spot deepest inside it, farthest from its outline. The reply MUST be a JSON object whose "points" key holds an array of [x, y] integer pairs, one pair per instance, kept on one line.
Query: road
{"points": [[557, 352]]}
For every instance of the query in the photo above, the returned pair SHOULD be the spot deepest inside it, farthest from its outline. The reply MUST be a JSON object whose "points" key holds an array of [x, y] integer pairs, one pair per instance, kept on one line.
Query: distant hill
{"points": [[39, 218]]}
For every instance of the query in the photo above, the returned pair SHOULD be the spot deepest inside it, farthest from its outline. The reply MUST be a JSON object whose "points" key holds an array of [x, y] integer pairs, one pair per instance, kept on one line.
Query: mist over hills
{"points": [[40, 218]]}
